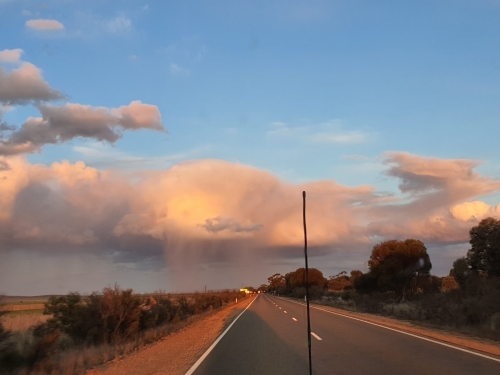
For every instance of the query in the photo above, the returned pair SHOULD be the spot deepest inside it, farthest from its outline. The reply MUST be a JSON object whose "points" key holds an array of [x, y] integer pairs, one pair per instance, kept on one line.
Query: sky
{"points": [[166, 145]]}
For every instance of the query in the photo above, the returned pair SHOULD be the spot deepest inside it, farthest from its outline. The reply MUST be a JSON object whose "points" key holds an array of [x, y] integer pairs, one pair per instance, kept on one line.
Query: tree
{"points": [[276, 281], [395, 266], [339, 282], [354, 275], [449, 283], [298, 278], [484, 254], [460, 271]]}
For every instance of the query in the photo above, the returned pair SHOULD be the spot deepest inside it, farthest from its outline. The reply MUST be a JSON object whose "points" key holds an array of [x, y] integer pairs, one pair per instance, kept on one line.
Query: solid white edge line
{"points": [[201, 359], [316, 336], [403, 332]]}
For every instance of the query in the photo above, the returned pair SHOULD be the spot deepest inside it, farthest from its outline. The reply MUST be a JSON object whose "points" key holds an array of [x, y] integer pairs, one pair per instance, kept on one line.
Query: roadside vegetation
{"points": [[77, 332], [399, 283]]}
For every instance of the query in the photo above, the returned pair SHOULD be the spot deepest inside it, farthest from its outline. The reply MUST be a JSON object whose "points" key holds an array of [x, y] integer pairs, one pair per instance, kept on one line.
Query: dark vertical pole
{"points": [[307, 280]]}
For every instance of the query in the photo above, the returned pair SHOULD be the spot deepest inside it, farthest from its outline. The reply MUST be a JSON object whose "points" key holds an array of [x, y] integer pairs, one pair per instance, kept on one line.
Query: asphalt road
{"points": [[270, 337]]}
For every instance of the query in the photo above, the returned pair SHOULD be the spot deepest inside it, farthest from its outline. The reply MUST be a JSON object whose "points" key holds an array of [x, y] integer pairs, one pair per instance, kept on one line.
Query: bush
{"points": [[111, 322]]}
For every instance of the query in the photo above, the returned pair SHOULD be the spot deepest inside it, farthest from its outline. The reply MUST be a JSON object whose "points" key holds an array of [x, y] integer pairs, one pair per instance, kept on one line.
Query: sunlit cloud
{"points": [[207, 203], [44, 24], [11, 55]]}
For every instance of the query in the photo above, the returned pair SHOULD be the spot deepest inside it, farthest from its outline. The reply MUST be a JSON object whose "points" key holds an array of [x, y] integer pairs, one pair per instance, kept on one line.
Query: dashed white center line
{"points": [[294, 319], [280, 308], [284, 312], [316, 336]]}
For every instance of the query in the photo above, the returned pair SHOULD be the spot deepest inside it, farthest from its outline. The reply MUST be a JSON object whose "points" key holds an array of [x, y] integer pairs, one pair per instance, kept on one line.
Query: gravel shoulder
{"points": [[177, 352]]}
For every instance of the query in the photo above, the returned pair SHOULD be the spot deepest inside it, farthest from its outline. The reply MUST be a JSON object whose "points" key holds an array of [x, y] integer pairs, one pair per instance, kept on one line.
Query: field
{"points": [[22, 320]]}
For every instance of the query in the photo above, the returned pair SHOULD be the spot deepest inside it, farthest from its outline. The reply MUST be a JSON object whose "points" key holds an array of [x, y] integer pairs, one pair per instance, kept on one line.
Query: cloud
{"points": [[339, 137], [474, 211], [330, 132], [176, 70], [44, 24], [25, 85], [212, 212], [64, 123], [103, 155], [451, 179], [432, 187], [11, 55], [225, 223], [119, 25]]}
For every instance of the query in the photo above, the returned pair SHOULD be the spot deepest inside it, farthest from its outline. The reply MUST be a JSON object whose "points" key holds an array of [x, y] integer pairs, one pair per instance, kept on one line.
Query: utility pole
{"points": [[307, 281]]}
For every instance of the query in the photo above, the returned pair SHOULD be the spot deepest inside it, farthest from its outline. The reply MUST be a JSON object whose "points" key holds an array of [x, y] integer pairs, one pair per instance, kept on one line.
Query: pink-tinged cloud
{"points": [[11, 55], [63, 123], [208, 210], [25, 85], [435, 189], [44, 24], [222, 217]]}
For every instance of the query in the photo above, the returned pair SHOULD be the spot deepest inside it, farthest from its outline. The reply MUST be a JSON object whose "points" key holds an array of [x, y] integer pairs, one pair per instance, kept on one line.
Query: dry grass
{"points": [[22, 322]]}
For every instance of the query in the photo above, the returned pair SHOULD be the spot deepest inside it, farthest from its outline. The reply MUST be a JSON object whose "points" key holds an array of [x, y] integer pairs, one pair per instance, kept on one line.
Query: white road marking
{"points": [[280, 308], [284, 312], [294, 319], [403, 332], [316, 336], [200, 360]]}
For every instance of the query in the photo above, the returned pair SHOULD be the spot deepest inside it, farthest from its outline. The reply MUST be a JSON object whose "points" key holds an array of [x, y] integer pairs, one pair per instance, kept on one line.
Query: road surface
{"points": [[270, 337]]}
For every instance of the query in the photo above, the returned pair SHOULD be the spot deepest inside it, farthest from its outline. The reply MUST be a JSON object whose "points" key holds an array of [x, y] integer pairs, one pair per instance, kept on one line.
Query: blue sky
{"points": [[420, 78], [307, 90]]}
